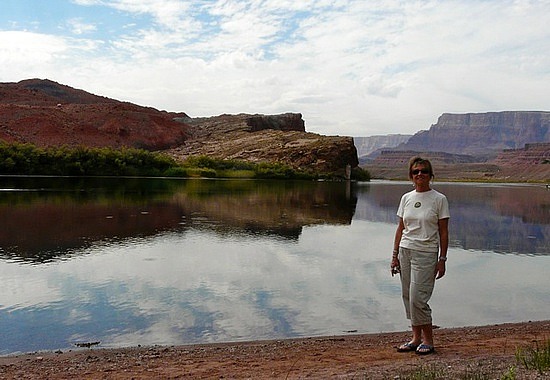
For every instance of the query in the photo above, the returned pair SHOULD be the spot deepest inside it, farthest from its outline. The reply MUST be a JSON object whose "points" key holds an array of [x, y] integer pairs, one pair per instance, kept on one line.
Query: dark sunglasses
{"points": [[418, 171]]}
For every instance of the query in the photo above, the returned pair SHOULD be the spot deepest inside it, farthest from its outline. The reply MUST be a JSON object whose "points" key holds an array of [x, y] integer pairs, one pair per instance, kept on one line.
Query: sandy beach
{"points": [[488, 350]]}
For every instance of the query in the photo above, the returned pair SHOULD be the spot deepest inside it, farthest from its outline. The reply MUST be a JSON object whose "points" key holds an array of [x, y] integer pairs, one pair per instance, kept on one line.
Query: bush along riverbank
{"points": [[27, 159]]}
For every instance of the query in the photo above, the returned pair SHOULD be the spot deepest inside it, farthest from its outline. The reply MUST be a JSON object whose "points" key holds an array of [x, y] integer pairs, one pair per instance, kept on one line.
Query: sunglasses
{"points": [[418, 171]]}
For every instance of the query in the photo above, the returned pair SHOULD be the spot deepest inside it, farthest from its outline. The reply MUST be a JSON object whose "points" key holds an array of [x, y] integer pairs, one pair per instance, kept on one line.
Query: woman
{"points": [[420, 252]]}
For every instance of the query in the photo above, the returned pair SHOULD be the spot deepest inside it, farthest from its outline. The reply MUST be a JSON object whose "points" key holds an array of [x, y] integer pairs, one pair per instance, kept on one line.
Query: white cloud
{"points": [[350, 67], [78, 27], [19, 46], [170, 14]]}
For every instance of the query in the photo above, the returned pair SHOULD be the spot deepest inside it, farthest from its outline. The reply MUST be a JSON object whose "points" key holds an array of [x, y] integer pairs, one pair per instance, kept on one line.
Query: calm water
{"points": [[141, 261]]}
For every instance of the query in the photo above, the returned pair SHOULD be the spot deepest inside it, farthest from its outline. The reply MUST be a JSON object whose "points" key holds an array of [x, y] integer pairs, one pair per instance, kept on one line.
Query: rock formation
{"points": [[531, 162], [46, 113], [482, 134], [366, 146], [260, 138], [530, 154], [509, 145], [400, 158]]}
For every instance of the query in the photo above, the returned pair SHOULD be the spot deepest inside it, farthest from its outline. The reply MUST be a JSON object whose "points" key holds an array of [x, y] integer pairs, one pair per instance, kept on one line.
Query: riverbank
{"points": [[469, 172], [487, 350]]}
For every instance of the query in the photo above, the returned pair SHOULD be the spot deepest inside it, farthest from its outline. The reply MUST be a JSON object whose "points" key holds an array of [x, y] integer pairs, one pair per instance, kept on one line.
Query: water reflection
{"points": [[488, 217], [134, 261], [67, 215]]}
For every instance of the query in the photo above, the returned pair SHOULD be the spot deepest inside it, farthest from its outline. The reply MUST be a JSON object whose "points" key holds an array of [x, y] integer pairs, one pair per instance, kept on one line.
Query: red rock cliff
{"points": [[46, 113]]}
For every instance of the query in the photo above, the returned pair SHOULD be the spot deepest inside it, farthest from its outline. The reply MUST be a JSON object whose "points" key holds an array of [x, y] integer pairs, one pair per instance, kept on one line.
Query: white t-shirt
{"points": [[421, 213]]}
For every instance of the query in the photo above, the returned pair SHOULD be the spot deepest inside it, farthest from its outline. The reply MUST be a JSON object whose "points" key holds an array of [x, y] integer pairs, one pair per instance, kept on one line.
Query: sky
{"points": [[350, 67]]}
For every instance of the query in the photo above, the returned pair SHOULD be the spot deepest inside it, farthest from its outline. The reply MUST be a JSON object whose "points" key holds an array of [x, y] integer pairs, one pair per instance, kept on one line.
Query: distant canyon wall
{"points": [[482, 134], [510, 145], [368, 145]]}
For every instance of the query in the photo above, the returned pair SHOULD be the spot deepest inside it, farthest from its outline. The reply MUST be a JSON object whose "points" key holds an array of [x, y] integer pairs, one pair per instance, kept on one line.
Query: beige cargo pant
{"points": [[417, 284]]}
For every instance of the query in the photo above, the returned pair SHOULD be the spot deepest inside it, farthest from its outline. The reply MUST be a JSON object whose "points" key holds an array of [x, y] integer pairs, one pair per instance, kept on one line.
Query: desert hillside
{"points": [[46, 113], [510, 145]]}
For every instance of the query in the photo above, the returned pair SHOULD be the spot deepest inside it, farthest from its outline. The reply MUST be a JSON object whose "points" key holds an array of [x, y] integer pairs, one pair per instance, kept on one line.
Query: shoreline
{"points": [[373, 356]]}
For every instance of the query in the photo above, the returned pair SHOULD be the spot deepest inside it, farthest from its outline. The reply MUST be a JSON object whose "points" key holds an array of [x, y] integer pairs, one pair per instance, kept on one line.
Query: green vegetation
{"points": [[204, 166], [537, 358], [360, 174], [510, 375], [27, 159]]}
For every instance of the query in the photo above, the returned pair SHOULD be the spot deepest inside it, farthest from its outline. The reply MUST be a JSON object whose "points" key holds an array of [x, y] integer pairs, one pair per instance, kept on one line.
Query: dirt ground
{"points": [[487, 351]]}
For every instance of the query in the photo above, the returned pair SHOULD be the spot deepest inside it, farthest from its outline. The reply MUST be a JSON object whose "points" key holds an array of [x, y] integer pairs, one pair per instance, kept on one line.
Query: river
{"points": [[128, 261]]}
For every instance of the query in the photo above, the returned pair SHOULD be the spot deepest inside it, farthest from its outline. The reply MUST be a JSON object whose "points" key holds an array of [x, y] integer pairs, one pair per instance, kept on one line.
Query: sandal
{"points": [[425, 349], [407, 347]]}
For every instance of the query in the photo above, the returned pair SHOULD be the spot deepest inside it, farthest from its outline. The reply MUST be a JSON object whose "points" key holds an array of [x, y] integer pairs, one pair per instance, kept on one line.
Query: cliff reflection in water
{"points": [[129, 262], [48, 218], [486, 217]]}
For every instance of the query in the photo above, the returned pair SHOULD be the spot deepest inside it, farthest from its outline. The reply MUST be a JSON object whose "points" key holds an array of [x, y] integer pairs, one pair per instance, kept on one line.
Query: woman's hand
{"points": [[440, 269], [395, 265]]}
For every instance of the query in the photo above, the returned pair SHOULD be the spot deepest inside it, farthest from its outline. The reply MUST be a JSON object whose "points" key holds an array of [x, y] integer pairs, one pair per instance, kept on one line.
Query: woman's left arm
{"points": [[443, 225]]}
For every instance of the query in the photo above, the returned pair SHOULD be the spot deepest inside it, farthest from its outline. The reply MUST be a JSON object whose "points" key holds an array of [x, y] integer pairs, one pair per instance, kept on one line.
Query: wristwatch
{"points": [[442, 258]]}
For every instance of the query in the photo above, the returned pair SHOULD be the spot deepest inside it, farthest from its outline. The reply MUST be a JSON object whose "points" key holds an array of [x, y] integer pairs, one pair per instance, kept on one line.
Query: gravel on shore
{"points": [[488, 351]]}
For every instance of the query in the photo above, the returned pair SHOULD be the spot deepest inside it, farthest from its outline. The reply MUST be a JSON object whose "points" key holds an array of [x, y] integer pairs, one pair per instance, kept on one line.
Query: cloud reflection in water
{"points": [[221, 276]]}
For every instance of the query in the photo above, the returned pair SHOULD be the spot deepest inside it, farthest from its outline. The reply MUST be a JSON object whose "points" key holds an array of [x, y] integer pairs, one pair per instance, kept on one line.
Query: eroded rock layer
{"points": [[275, 138]]}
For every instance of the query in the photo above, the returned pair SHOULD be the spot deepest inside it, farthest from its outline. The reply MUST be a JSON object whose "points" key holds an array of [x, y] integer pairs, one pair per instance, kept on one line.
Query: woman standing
{"points": [[420, 252]]}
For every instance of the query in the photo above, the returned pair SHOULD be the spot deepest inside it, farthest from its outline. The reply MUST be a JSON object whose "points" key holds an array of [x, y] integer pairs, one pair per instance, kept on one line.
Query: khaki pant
{"points": [[417, 284]]}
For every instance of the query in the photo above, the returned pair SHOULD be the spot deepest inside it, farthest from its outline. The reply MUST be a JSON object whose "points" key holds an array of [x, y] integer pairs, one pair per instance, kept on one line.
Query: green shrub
{"points": [[177, 171], [208, 173], [537, 358], [27, 159], [218, 164], [236, 173], [360, 174]]}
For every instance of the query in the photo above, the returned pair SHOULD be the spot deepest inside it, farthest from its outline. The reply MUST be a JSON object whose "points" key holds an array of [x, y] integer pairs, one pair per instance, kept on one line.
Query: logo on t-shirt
{"points": [[417, 205]]}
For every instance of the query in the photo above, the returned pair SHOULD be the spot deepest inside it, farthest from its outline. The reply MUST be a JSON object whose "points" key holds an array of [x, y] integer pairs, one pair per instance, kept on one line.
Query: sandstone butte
{"points": [[498, 146], [46, 113]]}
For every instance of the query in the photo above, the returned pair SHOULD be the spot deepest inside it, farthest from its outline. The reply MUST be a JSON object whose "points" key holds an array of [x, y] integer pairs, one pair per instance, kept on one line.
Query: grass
{"points": [[537, 358]]}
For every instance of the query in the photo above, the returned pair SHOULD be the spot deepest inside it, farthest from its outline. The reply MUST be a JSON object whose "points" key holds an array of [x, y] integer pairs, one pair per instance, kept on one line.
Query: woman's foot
{"points": [[407, 347], [425, 349]]}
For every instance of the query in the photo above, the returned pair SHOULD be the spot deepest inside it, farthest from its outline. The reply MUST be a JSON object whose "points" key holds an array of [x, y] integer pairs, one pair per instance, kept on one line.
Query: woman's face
{"points": [[420, 175]]}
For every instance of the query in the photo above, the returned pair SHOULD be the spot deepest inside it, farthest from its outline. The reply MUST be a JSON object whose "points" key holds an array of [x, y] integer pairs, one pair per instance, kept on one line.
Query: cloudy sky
{"points": [[351, 67]]}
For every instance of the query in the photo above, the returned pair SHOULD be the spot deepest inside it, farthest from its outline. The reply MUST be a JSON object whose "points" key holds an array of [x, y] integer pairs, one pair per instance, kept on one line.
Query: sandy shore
{"points": [[482, 349]]}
